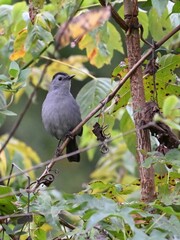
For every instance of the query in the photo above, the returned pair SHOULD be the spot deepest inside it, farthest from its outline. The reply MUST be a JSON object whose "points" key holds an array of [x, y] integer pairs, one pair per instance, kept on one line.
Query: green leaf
{"points": [[39, 220], [8, 113], [20, 154], [7, 202], [2, 106], [92, 94], [98, 44], [126, 125], [95, 219], [165, 80], [45, 20], [40, 234], [66, 216], [164, 194], [171, 225], [4, 78], [176, 7], [37, 39], [2, 100], [149, 161], [14, 69], [38, 4], [18, 21], [159, 26], [168, 210], [139, 234], [159, 5], [5, 14], [23, 75], [169, 105], [172, 157], [158, 234], [3, 2], [143, 19], [124, 93]]}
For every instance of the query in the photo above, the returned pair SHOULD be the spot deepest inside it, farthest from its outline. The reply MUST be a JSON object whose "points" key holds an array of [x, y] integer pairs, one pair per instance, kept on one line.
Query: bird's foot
{"points": [[69, 135]]}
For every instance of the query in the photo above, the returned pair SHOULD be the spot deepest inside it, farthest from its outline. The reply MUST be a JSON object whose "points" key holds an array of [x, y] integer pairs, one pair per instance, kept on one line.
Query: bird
{"points": [[61, 113]]}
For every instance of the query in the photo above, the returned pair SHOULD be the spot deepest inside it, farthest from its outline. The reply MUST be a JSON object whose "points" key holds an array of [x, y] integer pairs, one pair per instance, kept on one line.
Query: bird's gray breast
{"points": [[60, 114]]}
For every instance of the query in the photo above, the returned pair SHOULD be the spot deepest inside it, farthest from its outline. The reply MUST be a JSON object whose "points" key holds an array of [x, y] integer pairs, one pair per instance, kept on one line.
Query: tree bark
{"points": [[138, 99]]}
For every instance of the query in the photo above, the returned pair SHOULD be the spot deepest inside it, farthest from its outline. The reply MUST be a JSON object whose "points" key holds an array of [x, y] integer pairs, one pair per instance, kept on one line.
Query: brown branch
{"points": [[16, 125], [2, 218], [103, 102], [115, 15], [166, 37], [138, 101]]}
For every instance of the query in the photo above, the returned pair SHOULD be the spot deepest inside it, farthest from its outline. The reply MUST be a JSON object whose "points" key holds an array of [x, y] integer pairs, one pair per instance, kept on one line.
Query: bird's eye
{"points": [[60, 78]]}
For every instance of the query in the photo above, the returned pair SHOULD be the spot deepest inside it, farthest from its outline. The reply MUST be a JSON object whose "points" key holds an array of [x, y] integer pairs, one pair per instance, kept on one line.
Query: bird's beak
{"points": [[70, 77]]}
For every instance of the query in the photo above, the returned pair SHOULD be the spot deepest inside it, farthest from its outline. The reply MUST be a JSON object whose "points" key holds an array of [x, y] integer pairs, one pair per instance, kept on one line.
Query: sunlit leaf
{"points": [[159, 26], [159, 5], [37, 39], [39, 234], [70, 218], [82, 24], [39, 220], [170, 105], [19, 50], [45, 20], [14, 69], [124, 93], [7, 112], [98, 44], [19, 153], [165, 80]]}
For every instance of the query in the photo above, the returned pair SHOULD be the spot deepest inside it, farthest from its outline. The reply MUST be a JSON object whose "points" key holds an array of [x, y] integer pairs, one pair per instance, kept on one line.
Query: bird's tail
{"points": [[71, 147]]}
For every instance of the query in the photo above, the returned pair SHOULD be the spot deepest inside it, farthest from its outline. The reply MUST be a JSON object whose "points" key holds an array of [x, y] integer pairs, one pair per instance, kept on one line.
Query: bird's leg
{"points": [[58, 152]]}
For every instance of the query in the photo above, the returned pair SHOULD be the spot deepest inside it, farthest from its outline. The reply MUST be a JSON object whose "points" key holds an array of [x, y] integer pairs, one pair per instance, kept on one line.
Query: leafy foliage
{"points": [[109, 206]]}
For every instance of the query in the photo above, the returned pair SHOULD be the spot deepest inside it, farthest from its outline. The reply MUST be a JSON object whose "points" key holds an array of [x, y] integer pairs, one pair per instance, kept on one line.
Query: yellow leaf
{"points": [[17, 54], [82, 24], [46, 227], [21, 152], [2, 31], [19, 50], [3, 162]]}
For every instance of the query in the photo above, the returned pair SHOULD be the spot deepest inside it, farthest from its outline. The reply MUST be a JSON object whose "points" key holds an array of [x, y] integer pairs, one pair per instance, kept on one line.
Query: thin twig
{"points": [[115, 15], [17, 215]]}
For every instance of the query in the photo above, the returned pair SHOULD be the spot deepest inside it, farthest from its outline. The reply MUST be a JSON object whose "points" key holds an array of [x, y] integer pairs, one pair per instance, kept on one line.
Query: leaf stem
{"points": [[152, 225], [68, 65]]}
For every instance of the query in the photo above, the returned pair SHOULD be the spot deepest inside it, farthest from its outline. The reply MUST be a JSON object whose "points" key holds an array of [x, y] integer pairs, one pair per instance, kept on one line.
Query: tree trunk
{"points": [[138, 99]]}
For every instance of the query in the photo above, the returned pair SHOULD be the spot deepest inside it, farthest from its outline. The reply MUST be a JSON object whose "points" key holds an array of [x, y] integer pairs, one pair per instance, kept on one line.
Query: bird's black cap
{"points": [[62, 74]]}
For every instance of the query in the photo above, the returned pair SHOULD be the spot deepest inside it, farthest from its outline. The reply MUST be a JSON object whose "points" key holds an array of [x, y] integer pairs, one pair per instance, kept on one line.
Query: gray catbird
{"points": [[61, 113]]}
